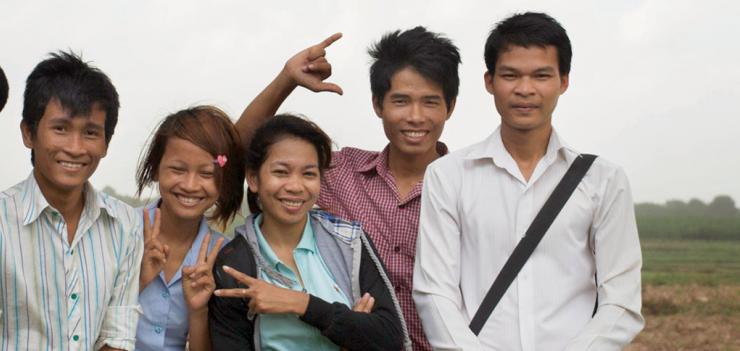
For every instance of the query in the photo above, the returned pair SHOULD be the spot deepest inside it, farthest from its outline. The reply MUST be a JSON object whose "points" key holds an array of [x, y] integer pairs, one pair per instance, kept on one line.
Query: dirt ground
{"points": [[682, 318]]}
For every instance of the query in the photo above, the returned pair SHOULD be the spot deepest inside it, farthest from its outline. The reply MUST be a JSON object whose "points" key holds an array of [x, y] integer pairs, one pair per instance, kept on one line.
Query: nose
{"points": [[294, 184], [416, 113], [190, 183], [74, 145], [524, 86]]}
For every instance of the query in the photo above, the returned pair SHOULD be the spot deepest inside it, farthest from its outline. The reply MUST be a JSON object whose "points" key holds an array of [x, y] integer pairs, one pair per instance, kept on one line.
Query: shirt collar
{"points": [[493, 148], [34, 202], [307, 242], [379, 163]]}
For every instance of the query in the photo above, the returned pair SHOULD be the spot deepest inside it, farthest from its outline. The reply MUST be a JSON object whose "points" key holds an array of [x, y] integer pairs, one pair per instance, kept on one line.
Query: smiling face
{"points": [[287, 183], [67, 149], [526, 86], [186, 179], [414, 113]]}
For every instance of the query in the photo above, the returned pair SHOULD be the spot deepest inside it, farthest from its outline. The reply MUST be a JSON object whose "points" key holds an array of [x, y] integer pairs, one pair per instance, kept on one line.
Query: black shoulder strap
{"points": [[531, 238]]}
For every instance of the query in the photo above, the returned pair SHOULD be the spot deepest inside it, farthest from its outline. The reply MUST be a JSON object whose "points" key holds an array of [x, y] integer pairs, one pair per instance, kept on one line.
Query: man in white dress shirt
{"points": [[478, 202]]}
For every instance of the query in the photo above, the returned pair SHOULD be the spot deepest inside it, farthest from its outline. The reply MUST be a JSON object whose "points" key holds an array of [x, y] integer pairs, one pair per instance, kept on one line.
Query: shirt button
{"points": [[158, 330], [397, 249], [75, 337], [73, 296], [165, 295]]}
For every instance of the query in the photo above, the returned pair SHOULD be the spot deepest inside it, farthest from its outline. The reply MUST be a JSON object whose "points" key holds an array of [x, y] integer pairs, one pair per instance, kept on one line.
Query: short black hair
{"points": [[430, 54], [275, 130], [77, 86], [3, 89], [527, 29]]}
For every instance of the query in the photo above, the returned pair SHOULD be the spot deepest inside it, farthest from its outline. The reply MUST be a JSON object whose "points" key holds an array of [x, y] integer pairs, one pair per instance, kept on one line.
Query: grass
{"points": [[682, 262]]}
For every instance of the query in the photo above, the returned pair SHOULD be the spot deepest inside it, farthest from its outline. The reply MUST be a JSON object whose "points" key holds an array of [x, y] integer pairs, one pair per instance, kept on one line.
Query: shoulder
{"points": [[128, 218], [11, 193], [352, 157], [238, 255]]}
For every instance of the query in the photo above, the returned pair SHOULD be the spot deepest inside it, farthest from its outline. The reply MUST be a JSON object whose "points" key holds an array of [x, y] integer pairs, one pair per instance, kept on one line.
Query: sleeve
{"points": [[328, 180], [227, 317], [379, 330], [436, 287], [618, 262], [118, 329]]}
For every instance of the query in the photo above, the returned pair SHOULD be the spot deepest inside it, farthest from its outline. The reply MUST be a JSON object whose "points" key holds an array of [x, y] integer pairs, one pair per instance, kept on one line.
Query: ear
{"points": [[488, 80], [451, 107], [378, 107], [252, 181], [27, 135], [564, 82]]}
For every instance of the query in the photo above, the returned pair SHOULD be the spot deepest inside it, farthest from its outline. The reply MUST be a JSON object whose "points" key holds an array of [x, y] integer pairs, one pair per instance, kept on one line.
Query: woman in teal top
{"points": [[295, 278]]}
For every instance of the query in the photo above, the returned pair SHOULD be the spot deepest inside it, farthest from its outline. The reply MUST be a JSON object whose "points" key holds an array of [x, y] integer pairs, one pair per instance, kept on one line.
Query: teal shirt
{"points": [[287, 331]]}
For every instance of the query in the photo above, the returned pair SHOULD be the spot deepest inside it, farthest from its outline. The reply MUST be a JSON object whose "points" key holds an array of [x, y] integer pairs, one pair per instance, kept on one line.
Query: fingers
{"points": [[204, 247], [205, 282], [365, 304], [330, 40], [239, 276], [214, 252], [238, 293], [195, 272], [319, 49]]}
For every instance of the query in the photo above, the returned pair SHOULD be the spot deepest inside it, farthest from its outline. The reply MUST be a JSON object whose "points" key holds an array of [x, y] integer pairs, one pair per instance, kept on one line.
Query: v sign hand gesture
{"points": [[155, 252], [197, 280]]}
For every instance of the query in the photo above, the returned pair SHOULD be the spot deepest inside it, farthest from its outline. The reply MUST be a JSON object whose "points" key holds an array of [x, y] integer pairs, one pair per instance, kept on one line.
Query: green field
{"points": [[690, 262]]}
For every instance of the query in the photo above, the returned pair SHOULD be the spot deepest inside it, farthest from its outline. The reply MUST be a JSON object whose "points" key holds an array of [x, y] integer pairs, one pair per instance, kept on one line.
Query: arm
{"points": [[436, 287], [378, 330], [308, 68], [618, 262], [230, 328], [118, 330]]}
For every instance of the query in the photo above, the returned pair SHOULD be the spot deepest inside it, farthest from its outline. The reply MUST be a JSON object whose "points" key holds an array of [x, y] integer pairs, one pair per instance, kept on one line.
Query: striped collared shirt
{"points": [[56, 295]]}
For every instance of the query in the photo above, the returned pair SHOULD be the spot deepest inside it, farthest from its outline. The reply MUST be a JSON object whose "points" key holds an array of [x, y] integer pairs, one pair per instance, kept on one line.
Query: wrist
{"points": [[285, 81], [300, 303], [198, 314]]}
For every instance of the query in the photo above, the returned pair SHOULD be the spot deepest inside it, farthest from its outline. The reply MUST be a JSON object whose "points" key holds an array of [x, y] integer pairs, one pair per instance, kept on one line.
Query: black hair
{"points": [[276, 129], [430, 54], [527, 29], [3, 89], [77, 86]]}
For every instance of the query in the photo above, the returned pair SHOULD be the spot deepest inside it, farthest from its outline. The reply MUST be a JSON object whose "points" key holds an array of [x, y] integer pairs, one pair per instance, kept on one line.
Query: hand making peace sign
{"points": [[155, 252], [197, 280]]}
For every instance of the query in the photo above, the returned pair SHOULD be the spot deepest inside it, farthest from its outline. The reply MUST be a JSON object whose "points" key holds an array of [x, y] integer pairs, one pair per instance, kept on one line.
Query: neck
{"points": [[526, 145], [280, 235], [410, 166], [68, 202], [177, 230]]}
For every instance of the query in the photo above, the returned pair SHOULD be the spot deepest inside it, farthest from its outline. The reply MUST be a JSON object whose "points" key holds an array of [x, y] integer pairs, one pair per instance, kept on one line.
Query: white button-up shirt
{"points": [[56, 295], [476, 206]]}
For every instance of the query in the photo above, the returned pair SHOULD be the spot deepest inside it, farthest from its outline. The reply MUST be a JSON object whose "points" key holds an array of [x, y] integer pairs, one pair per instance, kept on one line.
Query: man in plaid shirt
{"points": [[414, 82]]}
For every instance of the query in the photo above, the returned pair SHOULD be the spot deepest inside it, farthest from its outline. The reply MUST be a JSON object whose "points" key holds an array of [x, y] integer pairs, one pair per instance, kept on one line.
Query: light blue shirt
{"points": [[164, 324], [287, 331], [60, 295]]}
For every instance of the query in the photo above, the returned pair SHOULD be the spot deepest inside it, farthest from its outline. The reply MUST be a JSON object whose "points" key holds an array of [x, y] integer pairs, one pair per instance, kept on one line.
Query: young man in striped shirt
{"points": [[414, 82], [69, 255]]}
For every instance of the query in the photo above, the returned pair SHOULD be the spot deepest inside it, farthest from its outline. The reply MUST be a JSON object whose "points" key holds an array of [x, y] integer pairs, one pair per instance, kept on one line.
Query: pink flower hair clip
{"points": [[221, 160]]}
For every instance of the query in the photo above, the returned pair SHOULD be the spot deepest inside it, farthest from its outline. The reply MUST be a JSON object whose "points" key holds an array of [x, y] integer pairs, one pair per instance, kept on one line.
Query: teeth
{"points": [[188, 200], [415, 134], [292, 203], [70, 165]]}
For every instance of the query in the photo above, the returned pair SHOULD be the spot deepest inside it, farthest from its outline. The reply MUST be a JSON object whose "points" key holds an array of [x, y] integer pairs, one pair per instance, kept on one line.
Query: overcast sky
{"points": [[654, 85]]}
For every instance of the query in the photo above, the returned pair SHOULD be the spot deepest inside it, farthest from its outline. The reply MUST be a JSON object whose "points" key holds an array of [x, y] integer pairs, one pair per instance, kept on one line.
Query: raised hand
{"points": [[155, 252], [197, 280], [309, 68], [265, 297]]}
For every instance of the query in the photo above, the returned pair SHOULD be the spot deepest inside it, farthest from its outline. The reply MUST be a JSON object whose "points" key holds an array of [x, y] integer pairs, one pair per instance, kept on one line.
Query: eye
{"points": [[432, 103], [398, 101], [59, 128], [542, 76], [508, 76], [310, 174], [92, 133], [177, 170], [280, 172], [206, 174]]}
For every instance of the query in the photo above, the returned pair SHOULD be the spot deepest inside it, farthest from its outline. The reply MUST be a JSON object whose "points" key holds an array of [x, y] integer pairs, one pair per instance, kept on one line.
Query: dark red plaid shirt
{"points": [[360, 187]]}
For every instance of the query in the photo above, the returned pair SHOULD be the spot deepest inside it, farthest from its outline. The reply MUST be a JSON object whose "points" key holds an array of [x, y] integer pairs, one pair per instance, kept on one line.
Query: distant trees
{"points": [[718, 220], [130, 200]]}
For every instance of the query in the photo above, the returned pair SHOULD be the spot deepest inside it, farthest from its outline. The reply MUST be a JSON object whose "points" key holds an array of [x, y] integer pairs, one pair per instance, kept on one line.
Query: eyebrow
{"points": [[284, 164], [545, 69]]}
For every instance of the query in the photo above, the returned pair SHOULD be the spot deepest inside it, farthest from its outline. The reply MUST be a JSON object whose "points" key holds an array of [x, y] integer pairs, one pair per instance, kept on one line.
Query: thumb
{"points": [[330, 87]]}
